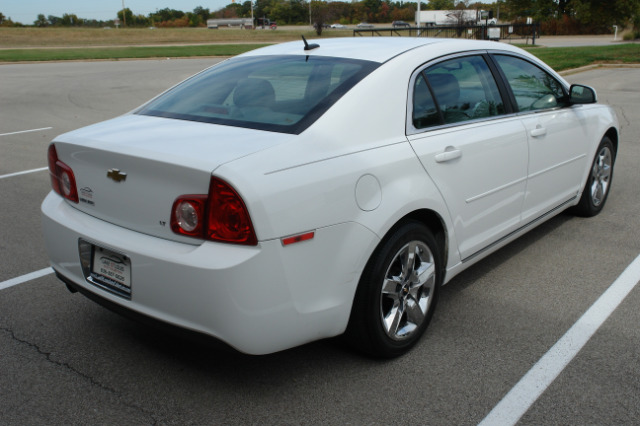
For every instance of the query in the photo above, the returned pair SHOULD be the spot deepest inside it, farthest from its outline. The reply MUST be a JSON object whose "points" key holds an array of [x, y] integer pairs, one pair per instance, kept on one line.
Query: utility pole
{"points": [[124, 15], [417, 20]]}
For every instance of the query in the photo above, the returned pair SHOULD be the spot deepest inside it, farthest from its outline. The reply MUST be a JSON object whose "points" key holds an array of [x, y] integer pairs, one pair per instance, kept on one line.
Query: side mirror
{"points": [[579, 94]]}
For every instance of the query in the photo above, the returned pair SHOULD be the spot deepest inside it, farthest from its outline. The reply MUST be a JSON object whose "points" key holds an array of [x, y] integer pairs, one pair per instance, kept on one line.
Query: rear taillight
{"points": [[62, 179], [219, 216], [188, 215]]}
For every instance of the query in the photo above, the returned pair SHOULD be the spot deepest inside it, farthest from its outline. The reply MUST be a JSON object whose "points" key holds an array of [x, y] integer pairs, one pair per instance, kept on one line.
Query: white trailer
{"points": [[451, 17], [230, 22]]}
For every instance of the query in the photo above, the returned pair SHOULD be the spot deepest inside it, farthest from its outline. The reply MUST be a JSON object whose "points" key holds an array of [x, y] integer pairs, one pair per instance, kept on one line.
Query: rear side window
{"points": [[425, 112], [454, 91], [532, 87], [276, 93]]}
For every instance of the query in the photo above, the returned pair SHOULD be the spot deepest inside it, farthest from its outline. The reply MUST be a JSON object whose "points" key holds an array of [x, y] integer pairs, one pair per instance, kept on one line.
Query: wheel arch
{"points": [[432, 220], [612, 134], [435, 223], [359, 333]]}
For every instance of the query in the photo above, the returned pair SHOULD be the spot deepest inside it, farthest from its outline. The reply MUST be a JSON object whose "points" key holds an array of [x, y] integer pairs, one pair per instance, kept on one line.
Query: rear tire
{"points": [[598, 183], [397, 293]]}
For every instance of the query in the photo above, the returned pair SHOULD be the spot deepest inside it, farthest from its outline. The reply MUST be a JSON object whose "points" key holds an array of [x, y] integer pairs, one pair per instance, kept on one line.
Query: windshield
{"points": [[276, 93]]}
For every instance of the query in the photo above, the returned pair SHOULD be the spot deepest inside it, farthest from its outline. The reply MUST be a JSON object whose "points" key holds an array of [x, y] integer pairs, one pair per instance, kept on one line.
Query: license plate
{"points": [[112, 271]]}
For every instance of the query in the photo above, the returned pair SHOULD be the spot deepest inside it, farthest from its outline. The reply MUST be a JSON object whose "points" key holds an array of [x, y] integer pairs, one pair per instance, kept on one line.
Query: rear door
{"points": [[472, 148], [557, 140]]}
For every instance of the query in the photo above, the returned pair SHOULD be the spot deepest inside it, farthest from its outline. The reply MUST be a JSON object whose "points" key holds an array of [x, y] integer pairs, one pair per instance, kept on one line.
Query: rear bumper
{"points": [[194, 336], [256, 299]]}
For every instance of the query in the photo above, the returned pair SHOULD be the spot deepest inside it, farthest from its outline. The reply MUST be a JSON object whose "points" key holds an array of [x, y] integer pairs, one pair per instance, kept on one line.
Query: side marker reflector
{"points": [[298, 238]]}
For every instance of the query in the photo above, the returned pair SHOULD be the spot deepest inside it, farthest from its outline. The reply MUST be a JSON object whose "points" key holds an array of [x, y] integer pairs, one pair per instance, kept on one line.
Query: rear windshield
{"points": [[276, 93]]}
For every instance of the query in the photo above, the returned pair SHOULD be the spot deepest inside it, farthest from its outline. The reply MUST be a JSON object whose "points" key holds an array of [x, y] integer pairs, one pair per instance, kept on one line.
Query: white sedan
{"points": [[303, 191]]}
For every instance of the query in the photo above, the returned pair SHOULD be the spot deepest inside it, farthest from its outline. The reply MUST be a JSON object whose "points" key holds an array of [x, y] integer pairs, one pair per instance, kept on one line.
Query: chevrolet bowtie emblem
{"points": [[116, 175]]}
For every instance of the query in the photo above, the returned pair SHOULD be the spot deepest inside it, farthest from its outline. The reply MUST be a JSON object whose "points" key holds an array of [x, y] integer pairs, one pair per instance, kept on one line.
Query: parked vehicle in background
{"points": [[264, 23], [309, 190], [400, 24], [338, 26], [364, 25]]}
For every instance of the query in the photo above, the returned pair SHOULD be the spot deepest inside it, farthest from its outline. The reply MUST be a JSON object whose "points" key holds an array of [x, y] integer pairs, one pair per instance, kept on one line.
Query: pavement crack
{"points": [[73, 370], [624, 116]]}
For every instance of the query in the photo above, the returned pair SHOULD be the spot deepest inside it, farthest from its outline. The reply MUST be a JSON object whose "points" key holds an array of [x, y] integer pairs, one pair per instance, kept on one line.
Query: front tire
{"points": [[598, 183], [397, 293]]}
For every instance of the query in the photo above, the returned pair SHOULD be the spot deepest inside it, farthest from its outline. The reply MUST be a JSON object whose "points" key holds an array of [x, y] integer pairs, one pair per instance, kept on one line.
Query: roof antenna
{"points": [[308, 46]]}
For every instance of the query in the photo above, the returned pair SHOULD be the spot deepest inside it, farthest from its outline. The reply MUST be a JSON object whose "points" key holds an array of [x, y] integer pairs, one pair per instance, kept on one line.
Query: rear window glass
{"points": [[276, 93]]}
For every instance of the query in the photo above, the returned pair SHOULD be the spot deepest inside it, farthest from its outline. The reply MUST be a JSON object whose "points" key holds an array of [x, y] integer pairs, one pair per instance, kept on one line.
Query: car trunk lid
{"points": [[130, 170]]}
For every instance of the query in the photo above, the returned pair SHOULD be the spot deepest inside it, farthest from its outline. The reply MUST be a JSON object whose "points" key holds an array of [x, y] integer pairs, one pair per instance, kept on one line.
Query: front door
{"points": [[475, 154]]}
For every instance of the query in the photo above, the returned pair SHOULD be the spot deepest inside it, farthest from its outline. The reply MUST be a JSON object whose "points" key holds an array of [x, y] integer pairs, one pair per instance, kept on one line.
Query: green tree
{"points": [[340, 11], [70, 20], [299, 12], [604, 13], [261, 8], [41, 21], [441, 4], [203, 13], [245, 10], [280, 11], [229, 11], [7, 22], [372, 6], [54, 20], [126, 16], [166, 15], [319, 15], [194, 19]]}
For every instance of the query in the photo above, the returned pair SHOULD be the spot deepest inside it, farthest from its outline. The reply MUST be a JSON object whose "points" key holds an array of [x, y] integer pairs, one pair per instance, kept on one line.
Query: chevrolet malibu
{"points": [[303, 191]]}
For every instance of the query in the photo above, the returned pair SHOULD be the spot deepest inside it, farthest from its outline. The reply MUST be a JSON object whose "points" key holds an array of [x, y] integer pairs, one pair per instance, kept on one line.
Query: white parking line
{"points": [[25, 278], [26, 131], [24, 173], [539, 378]]}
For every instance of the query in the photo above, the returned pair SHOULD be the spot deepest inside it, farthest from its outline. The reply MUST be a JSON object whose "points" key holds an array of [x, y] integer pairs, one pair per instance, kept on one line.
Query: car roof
{"points": [[377, 49]]}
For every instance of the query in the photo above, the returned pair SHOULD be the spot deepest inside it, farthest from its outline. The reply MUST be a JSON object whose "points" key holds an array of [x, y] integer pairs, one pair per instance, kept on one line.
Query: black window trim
{"points": [[503, 89], [544, 67], [508, 98]]}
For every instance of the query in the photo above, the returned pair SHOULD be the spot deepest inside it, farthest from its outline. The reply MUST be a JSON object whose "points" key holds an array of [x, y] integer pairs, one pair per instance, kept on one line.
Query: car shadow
{"points": [[469, 276], [179, 351]]}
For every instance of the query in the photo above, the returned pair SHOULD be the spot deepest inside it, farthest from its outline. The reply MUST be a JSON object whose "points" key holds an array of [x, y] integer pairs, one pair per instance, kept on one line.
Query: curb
{"points": [[595, 66]]}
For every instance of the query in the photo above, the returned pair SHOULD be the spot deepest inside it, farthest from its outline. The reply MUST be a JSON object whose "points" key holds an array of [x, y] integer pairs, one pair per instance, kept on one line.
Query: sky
{"points": [[26, 11]]}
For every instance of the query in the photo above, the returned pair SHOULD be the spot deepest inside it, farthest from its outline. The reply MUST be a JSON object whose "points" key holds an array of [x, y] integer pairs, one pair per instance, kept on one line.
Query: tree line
{"points": [[554, 16]]}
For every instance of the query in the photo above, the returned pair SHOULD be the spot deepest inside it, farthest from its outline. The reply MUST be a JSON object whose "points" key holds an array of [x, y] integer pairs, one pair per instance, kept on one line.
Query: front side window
{"points": [[276, 93], [454, 91], [533, 88]]}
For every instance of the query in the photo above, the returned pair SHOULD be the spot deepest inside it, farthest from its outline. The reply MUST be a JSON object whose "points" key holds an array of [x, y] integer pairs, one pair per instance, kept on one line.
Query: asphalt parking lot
{"points": [[66, 360]]}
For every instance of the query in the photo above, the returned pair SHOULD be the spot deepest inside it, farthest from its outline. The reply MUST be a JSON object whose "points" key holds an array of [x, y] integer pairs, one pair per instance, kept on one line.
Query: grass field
{"points": [[563, 58], [48, 44], [66, 37], [132, 52]]}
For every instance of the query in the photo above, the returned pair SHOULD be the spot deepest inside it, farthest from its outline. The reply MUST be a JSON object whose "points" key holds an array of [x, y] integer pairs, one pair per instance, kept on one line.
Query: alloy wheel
{"points": [[601, 175], [407, 290]]}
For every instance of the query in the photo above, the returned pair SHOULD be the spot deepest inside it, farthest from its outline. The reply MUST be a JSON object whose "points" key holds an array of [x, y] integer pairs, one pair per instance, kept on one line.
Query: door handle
{"points": [[449, 154], [539, 131]]}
